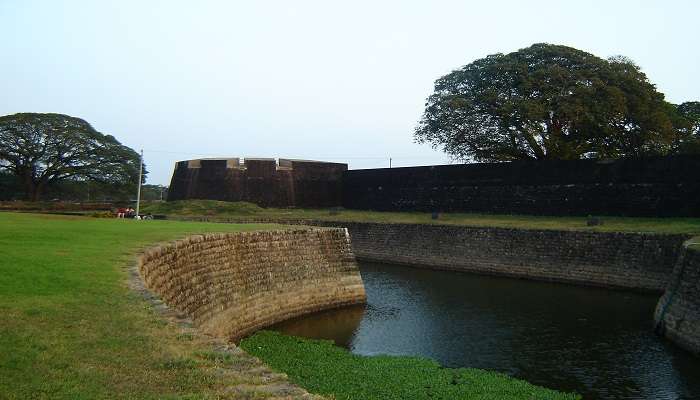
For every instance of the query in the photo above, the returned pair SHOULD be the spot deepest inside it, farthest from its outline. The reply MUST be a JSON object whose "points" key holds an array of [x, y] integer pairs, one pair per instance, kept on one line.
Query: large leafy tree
{"points": [[43, 149], [548, 102], [689, 123]]}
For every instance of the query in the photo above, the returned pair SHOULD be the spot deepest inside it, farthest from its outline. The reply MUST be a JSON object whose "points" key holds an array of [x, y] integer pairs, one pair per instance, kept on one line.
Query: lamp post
{"points": [[138, 192]]}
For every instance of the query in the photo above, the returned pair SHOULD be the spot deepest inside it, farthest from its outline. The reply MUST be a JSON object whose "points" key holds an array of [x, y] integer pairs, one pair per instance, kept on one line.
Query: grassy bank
{"points": [[241, 211], [70, 328], [326, 369]]}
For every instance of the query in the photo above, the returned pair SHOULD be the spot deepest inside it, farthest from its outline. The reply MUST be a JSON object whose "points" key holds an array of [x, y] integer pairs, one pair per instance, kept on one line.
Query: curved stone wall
{"points": [[678, 312], [232, 284]]}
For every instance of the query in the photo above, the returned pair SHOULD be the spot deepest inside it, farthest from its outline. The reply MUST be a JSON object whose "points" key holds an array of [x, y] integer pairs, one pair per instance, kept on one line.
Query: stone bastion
{"points": [[232, 284], [264, 181]]}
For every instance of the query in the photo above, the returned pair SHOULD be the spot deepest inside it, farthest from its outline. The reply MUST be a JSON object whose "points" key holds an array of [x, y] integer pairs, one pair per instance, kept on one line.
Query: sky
{"points": [[342, 81]]}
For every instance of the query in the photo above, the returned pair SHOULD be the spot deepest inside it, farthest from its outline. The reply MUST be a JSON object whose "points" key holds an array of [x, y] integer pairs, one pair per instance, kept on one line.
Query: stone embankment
{"points": [[623, 260], [634, 261], [678, 312], [626, 260], [231, 284]]}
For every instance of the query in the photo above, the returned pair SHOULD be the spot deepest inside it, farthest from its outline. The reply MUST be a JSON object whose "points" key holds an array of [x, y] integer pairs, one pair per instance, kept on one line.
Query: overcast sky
{"points": [[340, 81]]}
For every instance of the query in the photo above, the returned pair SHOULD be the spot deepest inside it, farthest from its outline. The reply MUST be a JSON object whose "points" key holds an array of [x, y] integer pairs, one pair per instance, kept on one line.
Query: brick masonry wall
{"points": [[678, 312], [623, 260], [232, 284]]}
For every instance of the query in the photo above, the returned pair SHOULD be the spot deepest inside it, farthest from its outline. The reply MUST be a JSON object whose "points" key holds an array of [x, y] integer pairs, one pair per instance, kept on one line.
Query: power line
{"points": [[369, 161], [192, 153]]}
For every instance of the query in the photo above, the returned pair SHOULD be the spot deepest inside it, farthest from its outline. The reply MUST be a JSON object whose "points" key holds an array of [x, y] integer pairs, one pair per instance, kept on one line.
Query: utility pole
{"points": [[138, 192], [389, 162]]}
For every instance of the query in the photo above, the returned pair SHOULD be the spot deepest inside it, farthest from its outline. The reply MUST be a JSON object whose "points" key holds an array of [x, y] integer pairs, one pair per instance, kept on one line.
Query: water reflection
{"points": [[339, 325], [593, 341]]}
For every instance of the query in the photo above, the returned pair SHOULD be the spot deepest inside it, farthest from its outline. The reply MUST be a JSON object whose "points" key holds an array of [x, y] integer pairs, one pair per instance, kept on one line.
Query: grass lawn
{"points": [[70, 328], [326, 369], [241, 210]]}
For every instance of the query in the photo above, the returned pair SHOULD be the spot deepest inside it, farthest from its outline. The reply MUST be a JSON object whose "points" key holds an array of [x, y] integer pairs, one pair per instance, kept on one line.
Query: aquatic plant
{"points": [[323, 368]]}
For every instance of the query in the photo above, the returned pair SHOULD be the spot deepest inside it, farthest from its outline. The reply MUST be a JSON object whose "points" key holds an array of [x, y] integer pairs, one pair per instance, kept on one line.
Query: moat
{"points": [[595, 342]]}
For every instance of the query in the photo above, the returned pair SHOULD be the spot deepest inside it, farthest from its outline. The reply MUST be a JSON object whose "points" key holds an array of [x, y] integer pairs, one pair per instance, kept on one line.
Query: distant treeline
{"points": [[80, 190]]}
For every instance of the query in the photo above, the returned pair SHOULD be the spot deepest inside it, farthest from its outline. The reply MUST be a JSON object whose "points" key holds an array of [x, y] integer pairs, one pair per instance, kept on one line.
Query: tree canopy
{"points": [[689, 123], [551, 102], [41, 149]]}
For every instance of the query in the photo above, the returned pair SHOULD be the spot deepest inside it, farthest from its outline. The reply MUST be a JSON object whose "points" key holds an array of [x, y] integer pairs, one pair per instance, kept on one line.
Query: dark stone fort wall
{"points": [[302, 184], [630, 187], [620, 260]]}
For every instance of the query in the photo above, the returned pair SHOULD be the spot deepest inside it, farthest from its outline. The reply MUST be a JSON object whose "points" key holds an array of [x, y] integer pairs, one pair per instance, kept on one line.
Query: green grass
{"points": [[241, 211], [323, 368], [70, 328], [202, 208]]}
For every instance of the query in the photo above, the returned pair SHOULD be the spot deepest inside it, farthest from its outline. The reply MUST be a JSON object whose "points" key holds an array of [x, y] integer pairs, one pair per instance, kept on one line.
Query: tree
{"points": [[9, 187], [154, 192], [548, 102], [689, 124], [43, 149]]}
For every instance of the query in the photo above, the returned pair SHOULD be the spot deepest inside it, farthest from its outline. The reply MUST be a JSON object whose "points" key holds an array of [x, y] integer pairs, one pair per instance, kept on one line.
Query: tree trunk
{"points": [[36, 193], [32, 190]]}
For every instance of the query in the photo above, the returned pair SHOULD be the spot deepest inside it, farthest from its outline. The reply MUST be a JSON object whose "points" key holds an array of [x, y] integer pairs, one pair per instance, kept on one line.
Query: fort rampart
{"points": [[231, 284], [660, 186], [663, 186], [678, 312]]}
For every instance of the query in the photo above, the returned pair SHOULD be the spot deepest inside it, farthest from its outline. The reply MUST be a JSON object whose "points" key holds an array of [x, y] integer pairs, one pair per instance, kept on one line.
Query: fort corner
{"points": [[263, 181]]}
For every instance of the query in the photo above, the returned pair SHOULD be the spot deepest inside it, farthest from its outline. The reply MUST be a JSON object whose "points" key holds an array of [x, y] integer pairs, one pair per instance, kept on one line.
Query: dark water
{"points": [[595, 342]]}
